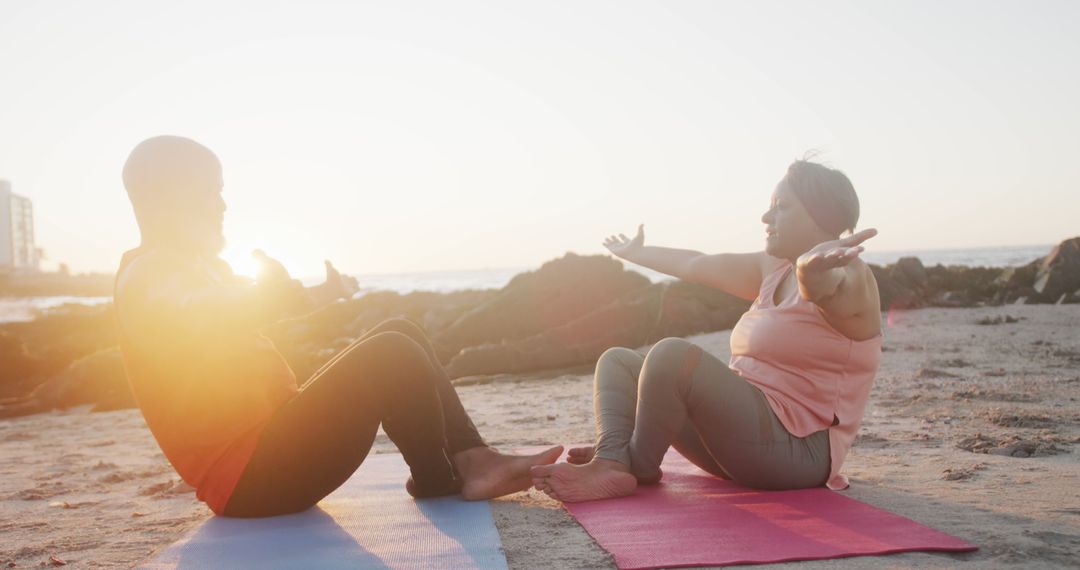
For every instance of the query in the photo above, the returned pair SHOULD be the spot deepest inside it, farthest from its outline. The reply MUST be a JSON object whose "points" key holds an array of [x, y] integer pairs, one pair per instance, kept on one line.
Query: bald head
{"points": [[169, 164], [174, 184]]}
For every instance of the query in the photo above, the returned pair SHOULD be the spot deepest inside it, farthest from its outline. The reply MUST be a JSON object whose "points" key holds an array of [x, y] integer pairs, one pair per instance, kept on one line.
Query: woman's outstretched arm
{"points": [[832, 276], [739, 274]]}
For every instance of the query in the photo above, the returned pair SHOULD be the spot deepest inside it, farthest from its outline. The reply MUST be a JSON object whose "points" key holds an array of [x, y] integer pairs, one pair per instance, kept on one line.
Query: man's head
{"points": [[174, 184]]}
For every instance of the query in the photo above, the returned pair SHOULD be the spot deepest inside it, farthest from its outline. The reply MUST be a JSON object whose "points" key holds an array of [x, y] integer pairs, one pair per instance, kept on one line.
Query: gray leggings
{"points": [[680, 395]]}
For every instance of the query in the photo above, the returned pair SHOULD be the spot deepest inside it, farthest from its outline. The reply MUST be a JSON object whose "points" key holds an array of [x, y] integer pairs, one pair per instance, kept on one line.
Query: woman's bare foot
{"points": [[580, 455], [597, 479], [487, 474]]}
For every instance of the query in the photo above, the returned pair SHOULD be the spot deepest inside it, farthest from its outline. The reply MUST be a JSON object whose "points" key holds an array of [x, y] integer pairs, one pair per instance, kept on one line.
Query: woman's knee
{"points": [[618, 356], [668, 353], [617, 365], [667, 363]]}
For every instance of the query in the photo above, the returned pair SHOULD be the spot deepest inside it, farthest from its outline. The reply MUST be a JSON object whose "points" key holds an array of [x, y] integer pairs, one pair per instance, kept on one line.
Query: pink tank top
{"points": [[813, 376]]}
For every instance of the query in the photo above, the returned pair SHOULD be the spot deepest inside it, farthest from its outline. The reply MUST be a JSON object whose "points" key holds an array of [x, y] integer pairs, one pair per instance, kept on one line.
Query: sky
{"points": [[423, 136]]}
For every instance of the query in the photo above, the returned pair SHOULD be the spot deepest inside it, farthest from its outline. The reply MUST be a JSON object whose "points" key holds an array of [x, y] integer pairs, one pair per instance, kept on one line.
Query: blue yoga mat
{"points": [[369, 522]]}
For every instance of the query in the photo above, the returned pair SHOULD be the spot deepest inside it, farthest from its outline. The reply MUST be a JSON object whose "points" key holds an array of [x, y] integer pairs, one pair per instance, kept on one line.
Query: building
{"points": [[17, 250]]}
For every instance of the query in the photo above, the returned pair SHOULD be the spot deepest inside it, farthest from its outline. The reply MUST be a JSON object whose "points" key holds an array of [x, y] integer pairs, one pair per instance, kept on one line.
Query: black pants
{"points": [[318, 438]]}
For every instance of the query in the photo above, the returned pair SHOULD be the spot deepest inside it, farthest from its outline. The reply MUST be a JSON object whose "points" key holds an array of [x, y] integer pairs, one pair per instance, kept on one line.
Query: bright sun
{"points": [[240, 259]]}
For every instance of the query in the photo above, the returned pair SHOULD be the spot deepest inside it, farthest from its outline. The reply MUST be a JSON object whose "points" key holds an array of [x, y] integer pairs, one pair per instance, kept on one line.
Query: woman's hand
{"points": [[845, 292], [623, 246], [832, 254]]}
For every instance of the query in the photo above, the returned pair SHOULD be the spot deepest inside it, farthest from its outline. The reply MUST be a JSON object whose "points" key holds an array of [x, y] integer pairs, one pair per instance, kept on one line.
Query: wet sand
{"points": [[972, 428]]}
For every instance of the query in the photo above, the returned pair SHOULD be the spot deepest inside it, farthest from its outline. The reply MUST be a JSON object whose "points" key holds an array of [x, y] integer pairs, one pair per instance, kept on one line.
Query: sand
{"points": [[973, 428]]}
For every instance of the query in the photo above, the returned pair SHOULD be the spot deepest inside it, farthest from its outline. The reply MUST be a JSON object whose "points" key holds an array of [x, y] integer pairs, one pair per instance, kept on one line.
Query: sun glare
{"points": [[241, 260]]}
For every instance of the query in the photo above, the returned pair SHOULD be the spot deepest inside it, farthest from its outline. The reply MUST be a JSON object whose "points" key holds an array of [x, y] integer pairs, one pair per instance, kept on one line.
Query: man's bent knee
{"points": [[400, 325], [393, 347]]}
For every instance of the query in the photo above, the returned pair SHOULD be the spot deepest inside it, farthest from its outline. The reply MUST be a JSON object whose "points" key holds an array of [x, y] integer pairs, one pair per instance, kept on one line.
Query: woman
{"points": [[221, 401], [784, 411]]}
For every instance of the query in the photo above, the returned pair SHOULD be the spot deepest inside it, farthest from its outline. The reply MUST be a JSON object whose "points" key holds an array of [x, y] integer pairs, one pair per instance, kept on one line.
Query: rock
{"points": [[97, 379], [628, 323], [961, 286], [565, 313], [909, 273], [901, 286], [559, 292], [660, 310], [18, 366], [689, 308], [887, 290], [308, 342], [1015, 283], [907, 284], [33, 352], [1058, 276]]}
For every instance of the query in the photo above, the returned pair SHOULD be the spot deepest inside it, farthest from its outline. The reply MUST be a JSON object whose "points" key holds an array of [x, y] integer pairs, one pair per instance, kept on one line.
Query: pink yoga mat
{"points": [[695, 519]]}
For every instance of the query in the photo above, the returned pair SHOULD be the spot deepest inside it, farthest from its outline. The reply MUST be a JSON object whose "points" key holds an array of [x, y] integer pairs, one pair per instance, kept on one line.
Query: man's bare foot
{"points": [[597, 479], [487, 474], [580, 455]]}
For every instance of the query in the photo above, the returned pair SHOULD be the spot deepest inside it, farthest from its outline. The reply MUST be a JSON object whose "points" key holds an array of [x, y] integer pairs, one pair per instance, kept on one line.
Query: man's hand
{"points": [[337, 285], [269, 269]]}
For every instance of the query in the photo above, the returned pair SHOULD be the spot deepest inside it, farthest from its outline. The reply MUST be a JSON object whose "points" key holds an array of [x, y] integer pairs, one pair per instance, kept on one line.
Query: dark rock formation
{"points": [[564, 314], [559, 292], [97, 379], [1058, 276], [32, 352], [17, 366], [1016, 284], [657, 311], [961, 286], [1053, 279], [309, 341], [902, 285]]}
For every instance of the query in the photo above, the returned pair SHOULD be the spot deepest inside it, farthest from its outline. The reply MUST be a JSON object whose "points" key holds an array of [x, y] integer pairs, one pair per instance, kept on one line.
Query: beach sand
{"points": [[972, 428]]}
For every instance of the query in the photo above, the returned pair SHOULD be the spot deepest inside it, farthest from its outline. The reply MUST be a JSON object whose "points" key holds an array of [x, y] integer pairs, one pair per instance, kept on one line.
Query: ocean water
{"points": [[28, 308], [1008, 256], [23, 309], [497, 278]]}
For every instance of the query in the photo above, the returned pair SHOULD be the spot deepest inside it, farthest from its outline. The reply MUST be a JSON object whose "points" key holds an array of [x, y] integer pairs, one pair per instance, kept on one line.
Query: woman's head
{"points": [[174, 184], [811, 204]]}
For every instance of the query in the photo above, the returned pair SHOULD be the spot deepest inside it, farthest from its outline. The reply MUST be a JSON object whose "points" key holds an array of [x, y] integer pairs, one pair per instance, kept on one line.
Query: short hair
{"points": [[826, 193]]}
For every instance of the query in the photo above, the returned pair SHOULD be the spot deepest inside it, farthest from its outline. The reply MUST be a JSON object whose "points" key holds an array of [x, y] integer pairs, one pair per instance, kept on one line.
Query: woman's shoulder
{"points": [[770, 265]]}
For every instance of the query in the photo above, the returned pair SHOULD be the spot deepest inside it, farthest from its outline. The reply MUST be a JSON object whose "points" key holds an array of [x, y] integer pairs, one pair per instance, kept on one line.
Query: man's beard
{"points": [[209, 243], [215, 244]]}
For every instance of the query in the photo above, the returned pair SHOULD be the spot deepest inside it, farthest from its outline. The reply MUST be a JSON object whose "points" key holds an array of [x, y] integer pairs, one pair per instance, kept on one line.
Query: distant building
{"points": [[17, 251]]}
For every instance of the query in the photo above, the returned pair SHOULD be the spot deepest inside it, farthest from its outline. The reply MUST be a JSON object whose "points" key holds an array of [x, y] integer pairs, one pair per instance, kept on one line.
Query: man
{"points": [[222, 402]]}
